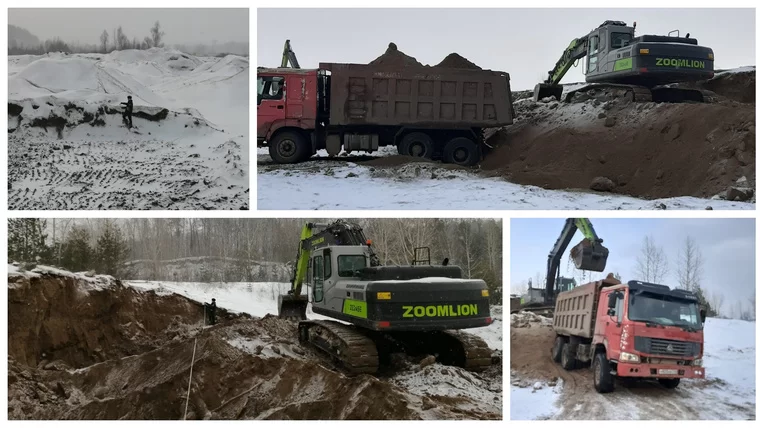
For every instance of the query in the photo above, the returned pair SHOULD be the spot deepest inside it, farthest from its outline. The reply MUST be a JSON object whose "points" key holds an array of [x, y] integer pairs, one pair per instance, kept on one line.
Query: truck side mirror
{"points": [[611, 300], [703, 314]]}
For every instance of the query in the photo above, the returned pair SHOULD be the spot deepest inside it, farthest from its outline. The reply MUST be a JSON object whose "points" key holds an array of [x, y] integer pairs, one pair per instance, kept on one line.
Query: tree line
{"points": [[115, 40], [108, 245]]}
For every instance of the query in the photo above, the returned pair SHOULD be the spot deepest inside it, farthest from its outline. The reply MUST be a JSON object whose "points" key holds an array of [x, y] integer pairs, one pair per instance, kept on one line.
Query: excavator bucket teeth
{"points": [[289, 306], [588, 255], [544, 90]]}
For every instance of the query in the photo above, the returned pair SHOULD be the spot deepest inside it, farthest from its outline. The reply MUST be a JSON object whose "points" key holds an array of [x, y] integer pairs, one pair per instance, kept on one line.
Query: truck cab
{"points": [[640, 330]]}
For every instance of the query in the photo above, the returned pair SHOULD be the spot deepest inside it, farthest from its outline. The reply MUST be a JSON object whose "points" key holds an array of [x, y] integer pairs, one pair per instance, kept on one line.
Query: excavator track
{"points": [[476, 351], [356, 352], [641, 94], [451, 347]]}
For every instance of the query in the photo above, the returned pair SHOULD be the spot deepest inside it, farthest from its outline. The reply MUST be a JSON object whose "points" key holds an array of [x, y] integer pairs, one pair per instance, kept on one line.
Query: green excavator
{"points": [[640, 69], [377, 310], [589, 254]]}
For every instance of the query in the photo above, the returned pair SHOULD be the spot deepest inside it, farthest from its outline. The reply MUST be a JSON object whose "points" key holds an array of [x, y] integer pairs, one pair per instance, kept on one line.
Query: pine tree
{"points": [[27, 240], [77, 254], [112, 250]]}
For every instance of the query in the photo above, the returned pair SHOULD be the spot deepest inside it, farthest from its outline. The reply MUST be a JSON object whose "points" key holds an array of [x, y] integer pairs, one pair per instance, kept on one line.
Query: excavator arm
{"points": [[289, 56], [589, 254], [577, 49]]}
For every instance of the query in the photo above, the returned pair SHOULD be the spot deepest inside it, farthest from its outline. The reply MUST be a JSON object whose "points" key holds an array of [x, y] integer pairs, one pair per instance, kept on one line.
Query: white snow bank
{"points": [[85, 280], [536, 402], [730, 353]]}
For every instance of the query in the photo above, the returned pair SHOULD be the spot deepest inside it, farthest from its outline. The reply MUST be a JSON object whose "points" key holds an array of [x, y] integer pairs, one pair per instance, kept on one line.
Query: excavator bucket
{"points": [[543, 90], [590, 255], [290, 306]]}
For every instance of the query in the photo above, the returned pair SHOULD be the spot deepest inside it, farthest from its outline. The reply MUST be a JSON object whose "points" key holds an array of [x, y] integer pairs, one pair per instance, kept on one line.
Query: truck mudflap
{"points": [[660, 371]]}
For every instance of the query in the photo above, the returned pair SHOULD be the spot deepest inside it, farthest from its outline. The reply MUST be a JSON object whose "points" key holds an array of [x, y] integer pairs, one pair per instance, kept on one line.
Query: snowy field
{"points": [[260, 298], [728, 389], [321, 185], [68, 147]]}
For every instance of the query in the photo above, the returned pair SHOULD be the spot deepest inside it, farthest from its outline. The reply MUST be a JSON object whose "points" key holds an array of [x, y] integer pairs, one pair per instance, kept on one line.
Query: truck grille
{"points": [[676, 348]]}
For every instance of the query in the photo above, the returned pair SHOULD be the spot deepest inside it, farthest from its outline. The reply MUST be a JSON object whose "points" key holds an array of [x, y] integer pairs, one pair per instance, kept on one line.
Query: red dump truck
{"points": [[430, 112], [634, 330]]}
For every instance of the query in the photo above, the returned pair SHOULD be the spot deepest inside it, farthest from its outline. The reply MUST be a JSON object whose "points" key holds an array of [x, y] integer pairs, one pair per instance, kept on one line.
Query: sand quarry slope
{"points": [[92, 347], [646, 150]]}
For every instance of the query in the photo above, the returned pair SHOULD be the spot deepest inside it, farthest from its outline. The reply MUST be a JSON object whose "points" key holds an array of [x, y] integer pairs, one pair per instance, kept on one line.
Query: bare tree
{"points": [[752, 308], [690, 266], [104, 41], [715, 299], [651, 264], [156, 35]]}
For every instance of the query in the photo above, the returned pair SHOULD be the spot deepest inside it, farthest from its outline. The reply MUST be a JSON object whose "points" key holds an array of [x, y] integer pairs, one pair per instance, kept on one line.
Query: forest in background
{"points": [[233, 250]]}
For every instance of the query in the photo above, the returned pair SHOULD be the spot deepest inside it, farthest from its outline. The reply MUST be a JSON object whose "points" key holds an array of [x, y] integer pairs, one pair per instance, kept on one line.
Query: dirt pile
{"points": [[454, 60], [93, 348], [525, 319], [647, 150], [736, 86], [395, 58]]}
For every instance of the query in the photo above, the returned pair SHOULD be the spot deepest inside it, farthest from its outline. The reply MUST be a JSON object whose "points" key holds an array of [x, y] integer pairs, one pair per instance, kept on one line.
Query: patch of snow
{"points": [[745, 69], [533, 402]]}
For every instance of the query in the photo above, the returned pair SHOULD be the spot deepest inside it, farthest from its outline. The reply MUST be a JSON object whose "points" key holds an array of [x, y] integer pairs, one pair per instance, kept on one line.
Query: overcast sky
{"points": [[727, 246], [526, 43], [182, 26]]}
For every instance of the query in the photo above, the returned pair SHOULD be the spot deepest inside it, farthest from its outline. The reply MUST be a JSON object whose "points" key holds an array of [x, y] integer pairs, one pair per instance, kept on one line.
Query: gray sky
{"points": [[523, 42], [727, 246], [182, 26]]}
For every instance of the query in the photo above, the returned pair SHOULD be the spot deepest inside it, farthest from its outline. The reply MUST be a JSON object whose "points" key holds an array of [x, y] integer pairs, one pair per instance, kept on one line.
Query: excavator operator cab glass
{"points": [[318, 277], [620, 40], [593, 52], [349, 264]]}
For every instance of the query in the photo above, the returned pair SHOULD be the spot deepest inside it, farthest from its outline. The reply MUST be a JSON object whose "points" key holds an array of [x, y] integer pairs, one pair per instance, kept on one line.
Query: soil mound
{"points": [[735, 85], [395, 58], [454, 60], [647, 150]]}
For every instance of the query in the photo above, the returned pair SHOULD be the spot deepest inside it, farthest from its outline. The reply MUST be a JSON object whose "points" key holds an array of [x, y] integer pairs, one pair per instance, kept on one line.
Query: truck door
{"points": [[270, 103], [614, 327]]}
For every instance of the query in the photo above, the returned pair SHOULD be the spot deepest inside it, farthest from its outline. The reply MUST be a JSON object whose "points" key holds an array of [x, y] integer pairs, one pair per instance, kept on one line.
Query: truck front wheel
{"points": [[669, 383], [603, 380], [461, 151], [288, 147], [559, 344], [416, 144]]}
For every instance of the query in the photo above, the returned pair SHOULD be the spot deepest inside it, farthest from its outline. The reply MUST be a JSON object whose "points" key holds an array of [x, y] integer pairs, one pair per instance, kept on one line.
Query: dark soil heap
{"points": [[395, 58], [454, 60]]}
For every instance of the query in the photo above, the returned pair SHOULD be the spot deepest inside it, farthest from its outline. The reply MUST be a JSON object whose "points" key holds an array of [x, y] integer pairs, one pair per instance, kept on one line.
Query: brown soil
{"points": [[454, 60], [78, 351], [395, 58], [738, 87], [647, 150]]}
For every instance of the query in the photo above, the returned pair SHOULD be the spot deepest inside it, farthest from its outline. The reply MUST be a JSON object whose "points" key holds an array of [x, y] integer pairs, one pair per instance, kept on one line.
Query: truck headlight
{"points": [[697, 362], [629, 358]]}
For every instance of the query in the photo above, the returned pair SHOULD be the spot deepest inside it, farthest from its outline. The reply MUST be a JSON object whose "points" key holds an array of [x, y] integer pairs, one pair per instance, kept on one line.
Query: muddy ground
{"points": [[94, 348], [602, 143], [531, 339]]}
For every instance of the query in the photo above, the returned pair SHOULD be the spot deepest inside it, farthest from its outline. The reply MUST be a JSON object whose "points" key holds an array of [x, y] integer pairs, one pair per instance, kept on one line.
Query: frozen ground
{"points": [[68, 147], [334, 185], [727, 392]]}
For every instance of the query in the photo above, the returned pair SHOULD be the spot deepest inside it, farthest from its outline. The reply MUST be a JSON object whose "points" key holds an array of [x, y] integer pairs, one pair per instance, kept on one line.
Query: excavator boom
{"points": [[288, 56]]}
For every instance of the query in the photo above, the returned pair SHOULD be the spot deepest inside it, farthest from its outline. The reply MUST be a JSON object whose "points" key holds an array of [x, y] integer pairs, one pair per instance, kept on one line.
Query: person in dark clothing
{"points": [[211, 310], [128, 111]]}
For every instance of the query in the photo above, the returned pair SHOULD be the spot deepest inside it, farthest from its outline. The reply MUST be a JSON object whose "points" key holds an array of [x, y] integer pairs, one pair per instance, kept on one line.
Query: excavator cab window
{"points": [[349, 264], [318, 269], [593, 52], [620, 40]]}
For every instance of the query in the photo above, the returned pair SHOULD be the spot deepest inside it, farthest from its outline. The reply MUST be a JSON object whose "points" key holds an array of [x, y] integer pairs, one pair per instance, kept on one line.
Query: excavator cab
{"points": [[590, 255]]}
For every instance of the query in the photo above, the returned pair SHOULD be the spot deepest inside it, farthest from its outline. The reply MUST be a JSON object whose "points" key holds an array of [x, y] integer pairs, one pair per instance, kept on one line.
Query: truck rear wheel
{"points": [[288, 147], [559, 344], [669, 383], [568, 357], [417, 144], [603, 380], [461, 151]]}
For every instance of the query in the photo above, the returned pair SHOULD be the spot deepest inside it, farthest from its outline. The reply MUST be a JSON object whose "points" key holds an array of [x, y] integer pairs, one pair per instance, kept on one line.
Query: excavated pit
{"points": [[95, 348]]}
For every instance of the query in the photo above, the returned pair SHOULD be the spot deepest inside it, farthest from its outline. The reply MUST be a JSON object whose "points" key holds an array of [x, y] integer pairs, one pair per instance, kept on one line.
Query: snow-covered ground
{"points": [[69, 149], [350, 186], [727, 392]]}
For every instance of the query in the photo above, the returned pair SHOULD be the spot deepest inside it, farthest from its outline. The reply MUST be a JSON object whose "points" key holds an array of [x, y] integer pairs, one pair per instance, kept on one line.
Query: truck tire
{"points": [[559, 343], [567, 359], [417, 144], [669, 383], [461, 151], [289, 147], [603, 380]]}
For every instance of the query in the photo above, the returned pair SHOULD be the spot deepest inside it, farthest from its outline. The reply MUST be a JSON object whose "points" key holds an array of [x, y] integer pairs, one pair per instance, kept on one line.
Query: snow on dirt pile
{"points": [[729, 386], [85, 346], [69, 148]]}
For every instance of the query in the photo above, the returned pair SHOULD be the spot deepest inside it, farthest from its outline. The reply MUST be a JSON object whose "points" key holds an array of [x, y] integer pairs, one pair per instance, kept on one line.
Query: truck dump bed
{"points": [[575, 310], [418, 96]]}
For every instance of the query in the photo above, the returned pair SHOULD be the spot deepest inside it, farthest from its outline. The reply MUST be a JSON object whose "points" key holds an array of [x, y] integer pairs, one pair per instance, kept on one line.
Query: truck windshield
{"points": [[663, 310], [348, 265]]}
